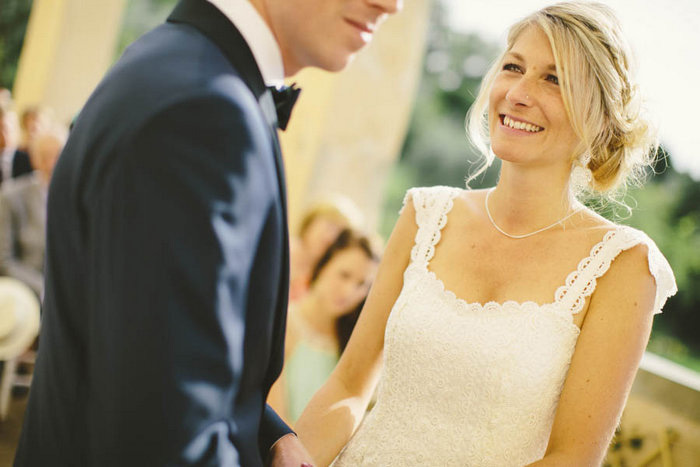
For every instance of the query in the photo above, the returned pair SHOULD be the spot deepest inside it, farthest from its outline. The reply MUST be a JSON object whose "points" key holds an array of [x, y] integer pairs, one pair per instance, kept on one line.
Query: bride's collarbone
{"points": [[479, 269], [483, 283]]}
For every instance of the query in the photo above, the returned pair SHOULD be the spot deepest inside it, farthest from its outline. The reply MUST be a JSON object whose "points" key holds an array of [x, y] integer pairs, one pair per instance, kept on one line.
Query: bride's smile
{"points": [[527, 117]]}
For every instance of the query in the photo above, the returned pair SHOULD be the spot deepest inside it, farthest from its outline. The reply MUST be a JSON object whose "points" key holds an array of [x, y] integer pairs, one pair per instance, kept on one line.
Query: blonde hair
{"points": [[601, 99], [338, 209]]}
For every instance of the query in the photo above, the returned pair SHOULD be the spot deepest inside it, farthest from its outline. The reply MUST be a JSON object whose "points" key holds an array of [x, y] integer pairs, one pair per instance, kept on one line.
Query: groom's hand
{"points": [[289, 452]]}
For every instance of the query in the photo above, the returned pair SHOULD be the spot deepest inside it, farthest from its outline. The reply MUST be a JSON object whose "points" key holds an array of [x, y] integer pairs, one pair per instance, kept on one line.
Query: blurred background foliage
{"points": [[141, 16], [14, 15], [436, 152]]}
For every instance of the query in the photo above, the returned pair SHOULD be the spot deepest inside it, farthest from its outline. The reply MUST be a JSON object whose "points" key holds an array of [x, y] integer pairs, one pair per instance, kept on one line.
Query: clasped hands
{"points": [[289, 452]]}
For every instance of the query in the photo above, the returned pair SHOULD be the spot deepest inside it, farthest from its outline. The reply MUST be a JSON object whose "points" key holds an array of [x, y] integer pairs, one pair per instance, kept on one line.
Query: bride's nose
{"points": [[521, 93]]}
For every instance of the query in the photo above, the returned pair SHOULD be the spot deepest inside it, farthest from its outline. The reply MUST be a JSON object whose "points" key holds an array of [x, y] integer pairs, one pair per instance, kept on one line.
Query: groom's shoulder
{"points": [[173, 62], [171, 67]]}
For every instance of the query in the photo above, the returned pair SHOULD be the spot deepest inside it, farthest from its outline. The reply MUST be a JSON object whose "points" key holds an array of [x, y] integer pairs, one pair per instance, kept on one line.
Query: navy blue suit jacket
{"points": [[167, 262]]}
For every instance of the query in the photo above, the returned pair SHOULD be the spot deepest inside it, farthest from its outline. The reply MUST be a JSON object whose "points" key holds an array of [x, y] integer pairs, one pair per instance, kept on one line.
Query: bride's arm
{"points": [[336, 410], [613, 337], [277, 398]]}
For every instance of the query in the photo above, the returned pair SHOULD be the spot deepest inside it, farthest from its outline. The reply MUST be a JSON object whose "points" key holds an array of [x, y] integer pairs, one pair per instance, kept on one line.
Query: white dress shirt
{"points": [[258, 36], [6, 158]]}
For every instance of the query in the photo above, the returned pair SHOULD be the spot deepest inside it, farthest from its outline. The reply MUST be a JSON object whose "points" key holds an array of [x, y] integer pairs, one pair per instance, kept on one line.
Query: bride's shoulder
{"points": [[432, 192], [426, 198], [594, 225], [474, 197], [429, 195], [455, 200], [631, 251]]}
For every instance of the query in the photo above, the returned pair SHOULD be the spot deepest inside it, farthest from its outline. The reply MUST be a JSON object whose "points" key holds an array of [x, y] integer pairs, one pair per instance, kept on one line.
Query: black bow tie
{"points": [[285, 98]]}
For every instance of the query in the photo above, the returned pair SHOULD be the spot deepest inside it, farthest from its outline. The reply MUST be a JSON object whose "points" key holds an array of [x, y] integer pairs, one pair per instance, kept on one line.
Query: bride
{"points": [[508, 324]]}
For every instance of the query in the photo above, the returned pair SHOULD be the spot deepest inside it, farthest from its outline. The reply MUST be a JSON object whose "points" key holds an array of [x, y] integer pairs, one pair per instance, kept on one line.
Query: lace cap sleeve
{"points": [[410, 194], [431, 205], [658, 265], [582, 282], [662, 272]]}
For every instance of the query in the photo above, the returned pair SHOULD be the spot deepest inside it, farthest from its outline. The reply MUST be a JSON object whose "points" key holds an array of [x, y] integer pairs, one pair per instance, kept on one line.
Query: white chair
{"points": [[19, 326]]}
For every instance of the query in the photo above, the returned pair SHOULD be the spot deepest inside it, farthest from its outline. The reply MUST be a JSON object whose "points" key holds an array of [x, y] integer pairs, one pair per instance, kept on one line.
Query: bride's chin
{"points": [[508, 154]]}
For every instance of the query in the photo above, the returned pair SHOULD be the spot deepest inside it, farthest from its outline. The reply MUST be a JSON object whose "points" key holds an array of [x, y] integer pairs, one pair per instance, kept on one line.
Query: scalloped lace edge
{"points": [[658, 267], [429, 233], [509, 305]]}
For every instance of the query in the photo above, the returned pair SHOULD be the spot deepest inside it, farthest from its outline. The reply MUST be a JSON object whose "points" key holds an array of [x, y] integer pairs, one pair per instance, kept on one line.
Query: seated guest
{"points": [[23, 213], [319, 227], [33, 122], [320, 324], [13, 162]]}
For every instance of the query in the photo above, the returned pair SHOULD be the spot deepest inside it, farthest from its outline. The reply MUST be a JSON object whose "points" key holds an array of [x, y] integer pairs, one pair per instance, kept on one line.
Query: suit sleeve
{"points": [[271, 429], [176, 225]]}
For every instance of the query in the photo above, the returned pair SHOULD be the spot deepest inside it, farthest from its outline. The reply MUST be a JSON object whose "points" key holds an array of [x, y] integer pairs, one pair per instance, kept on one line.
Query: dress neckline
{"points": [[552, 308], [582, 265], [560, 294]]}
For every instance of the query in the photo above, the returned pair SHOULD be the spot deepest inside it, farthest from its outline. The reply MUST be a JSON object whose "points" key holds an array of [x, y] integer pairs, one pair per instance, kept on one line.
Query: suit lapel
{"points": [[206, 18], [216, 26]]}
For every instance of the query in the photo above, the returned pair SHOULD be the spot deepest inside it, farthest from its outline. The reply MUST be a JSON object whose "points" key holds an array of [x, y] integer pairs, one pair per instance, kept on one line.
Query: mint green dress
{"points": [[309, 366]]}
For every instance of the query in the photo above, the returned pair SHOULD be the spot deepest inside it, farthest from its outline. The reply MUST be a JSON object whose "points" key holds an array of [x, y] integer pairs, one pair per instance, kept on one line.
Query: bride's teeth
{"points": [[509, 122]]}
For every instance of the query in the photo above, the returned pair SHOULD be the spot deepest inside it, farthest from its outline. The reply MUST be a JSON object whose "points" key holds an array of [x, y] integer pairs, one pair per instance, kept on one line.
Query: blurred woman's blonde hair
{"points": [[601, 98], [337, 209]]}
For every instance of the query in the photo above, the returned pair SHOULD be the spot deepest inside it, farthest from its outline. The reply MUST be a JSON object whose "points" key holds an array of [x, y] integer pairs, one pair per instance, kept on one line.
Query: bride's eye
{"points": [[512, 67], [552, 79]]}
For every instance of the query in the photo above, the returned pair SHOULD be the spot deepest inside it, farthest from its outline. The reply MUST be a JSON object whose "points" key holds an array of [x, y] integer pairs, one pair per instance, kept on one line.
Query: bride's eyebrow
{"points": [[517, 56]]}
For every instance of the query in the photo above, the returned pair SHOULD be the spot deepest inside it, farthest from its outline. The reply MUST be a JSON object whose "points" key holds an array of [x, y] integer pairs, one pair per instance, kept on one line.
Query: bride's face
{"points": [[527, 120]]}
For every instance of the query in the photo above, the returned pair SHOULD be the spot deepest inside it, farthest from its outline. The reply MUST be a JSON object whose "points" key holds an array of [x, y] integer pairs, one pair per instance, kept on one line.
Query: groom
{"points": [[166, 269]]}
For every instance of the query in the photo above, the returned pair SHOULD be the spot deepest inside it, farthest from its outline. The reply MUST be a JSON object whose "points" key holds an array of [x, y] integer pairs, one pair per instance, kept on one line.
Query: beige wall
{"points": [[68, 47]]}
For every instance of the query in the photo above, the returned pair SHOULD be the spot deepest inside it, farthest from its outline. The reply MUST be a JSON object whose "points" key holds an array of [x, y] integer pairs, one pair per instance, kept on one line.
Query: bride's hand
{"points": [[289, 452]]}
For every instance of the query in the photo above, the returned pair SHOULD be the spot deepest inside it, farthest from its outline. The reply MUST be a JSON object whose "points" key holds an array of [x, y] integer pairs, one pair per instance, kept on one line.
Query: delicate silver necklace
{"points": [[488, 213]]}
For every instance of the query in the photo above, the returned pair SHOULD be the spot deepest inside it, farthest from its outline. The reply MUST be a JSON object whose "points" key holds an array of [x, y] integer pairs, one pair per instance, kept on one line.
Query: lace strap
{"points": [[581, 283], [432, 204]]}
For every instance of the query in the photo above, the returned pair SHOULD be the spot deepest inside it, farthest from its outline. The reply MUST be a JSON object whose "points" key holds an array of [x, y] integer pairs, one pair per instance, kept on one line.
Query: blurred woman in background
{"points": [[34, 121], [319, 227], [320, 324]]}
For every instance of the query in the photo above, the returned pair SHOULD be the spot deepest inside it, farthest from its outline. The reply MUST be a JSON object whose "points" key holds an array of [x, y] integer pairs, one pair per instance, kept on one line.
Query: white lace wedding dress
{"points": [[466, 384]]}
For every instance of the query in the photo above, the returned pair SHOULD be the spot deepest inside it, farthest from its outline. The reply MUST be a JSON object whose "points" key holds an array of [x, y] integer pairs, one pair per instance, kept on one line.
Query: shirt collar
{"points": [[258, 36]]}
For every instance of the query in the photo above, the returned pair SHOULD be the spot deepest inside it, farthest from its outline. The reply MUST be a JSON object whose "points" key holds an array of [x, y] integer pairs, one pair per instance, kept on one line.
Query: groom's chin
{"points": [[337, 61], [336, 56]]}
